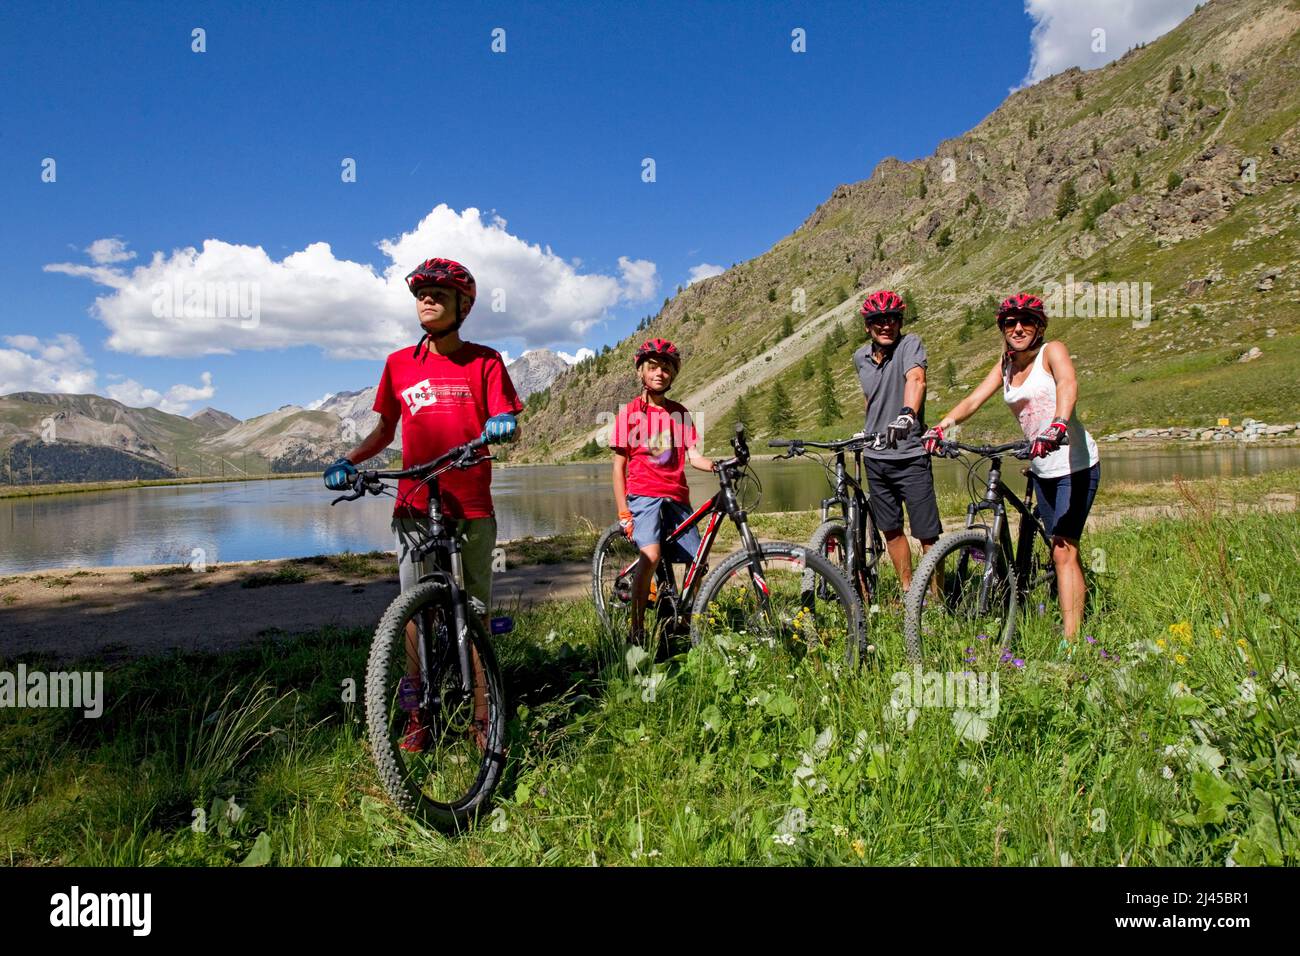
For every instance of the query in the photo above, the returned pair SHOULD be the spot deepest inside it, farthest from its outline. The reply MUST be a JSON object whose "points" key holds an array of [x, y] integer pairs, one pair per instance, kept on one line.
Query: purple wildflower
{"points": [[981, 637], [1042, 609], [1019, 662], [1252, 673], [1104, 655], [1090, 639]]}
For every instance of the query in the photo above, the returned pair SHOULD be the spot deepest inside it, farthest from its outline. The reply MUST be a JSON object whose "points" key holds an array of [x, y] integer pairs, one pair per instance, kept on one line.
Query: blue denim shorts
{"points": [[649, 528], [1063, 503]]}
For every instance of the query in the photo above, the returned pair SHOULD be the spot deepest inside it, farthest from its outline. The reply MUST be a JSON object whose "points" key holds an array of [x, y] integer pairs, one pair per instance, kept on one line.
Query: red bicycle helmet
{"points": [[1022, 303], [659, 348], [883, 302], [449, 273]]}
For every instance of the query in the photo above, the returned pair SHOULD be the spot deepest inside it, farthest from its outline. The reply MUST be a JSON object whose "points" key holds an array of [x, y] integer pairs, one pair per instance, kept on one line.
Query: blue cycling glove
{"points": [[500, 428], [338, 476]]}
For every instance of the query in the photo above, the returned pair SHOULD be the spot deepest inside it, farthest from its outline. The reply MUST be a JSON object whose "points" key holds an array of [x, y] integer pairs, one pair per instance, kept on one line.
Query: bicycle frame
{"points": [[722, 504], [441, 542], [853, 510], [996, 495]]}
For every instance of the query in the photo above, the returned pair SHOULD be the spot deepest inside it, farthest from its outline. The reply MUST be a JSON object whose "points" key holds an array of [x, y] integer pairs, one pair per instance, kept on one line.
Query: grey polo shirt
{"points": [[883, 387]]}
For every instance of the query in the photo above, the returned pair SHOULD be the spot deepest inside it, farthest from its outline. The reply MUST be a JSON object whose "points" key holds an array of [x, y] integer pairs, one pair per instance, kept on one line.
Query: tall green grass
{"points": [[1177, 747]]}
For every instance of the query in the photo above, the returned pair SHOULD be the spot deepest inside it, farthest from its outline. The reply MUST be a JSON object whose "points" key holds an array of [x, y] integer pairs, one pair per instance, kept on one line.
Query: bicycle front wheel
{"points": [[439, 747], [958, 611], [795, 599]]}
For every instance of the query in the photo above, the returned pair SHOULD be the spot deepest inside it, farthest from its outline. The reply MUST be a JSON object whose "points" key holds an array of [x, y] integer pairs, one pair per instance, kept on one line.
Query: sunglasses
{"points": [[884, 319], [432, 292], [1011, 322]]}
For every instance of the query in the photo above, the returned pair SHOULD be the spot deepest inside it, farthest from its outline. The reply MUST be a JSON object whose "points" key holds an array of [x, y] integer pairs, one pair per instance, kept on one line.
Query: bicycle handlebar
{"points": [[462, 456], [950, 448], [860, 441]]}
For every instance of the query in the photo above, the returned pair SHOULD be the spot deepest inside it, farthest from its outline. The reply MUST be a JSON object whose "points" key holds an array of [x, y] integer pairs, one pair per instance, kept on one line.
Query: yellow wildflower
{"points": [[1218, 632], [859, 847], [1160, 643], [1180, 659], [1182, 630], [1241, 642]]}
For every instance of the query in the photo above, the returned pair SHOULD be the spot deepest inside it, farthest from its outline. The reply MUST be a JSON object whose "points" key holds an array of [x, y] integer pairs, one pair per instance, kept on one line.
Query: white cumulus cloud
{"points": [[704, 270], [1066, 33], [177, 399], [54, 365], [107, 251], [578, 357], [640, 281], [226, 297]]}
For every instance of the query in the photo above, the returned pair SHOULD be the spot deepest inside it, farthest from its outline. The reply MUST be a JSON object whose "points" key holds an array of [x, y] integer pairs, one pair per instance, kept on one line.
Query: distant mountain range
{"points": [[56, 437]]}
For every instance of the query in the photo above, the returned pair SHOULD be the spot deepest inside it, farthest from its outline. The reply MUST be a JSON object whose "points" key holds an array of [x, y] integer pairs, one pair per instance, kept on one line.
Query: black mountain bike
{"points": [[850, 540], [987, 583], [774, 590], [448, 771]]}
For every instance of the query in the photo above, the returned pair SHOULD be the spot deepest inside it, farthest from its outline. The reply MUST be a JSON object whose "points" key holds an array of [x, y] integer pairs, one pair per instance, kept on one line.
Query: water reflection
{"points": [[240, 521]]}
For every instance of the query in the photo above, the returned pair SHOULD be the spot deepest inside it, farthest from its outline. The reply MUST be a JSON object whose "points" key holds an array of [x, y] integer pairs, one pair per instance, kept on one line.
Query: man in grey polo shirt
{"points": [[891, 368]]}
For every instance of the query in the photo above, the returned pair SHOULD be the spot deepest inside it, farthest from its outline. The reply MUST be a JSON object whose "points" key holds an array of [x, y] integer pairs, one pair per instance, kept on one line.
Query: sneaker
{"points": [[416, 738]]}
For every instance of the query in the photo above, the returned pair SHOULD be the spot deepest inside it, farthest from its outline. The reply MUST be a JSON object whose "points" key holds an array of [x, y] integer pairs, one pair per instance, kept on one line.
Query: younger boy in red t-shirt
{"points": [[445, 392], [653, 439]]}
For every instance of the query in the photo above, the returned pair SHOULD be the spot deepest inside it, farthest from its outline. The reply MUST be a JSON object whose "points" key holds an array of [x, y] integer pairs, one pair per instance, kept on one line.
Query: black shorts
{"points": [[1063, 503], [892, 482]]}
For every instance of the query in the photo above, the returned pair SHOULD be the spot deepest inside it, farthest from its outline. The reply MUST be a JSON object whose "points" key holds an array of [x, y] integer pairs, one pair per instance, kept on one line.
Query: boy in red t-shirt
{"points": [[445, 392], [653, 439]]}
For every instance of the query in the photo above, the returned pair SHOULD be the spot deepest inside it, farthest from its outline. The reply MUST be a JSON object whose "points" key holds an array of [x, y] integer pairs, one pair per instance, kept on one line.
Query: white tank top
{"points": [[1033, 402]]}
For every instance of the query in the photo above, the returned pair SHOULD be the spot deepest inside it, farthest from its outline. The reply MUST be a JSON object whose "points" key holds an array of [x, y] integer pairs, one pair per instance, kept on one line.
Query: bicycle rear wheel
{"points": [[613, 573], [799, 601], [446, 768], [954, 613]]}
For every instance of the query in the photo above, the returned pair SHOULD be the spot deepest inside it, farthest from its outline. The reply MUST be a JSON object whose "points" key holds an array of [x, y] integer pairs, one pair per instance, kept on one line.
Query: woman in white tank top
{"points": [[1039, 385]]}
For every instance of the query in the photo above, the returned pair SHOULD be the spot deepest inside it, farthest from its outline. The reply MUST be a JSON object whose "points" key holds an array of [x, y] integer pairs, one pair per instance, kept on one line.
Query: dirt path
{"points": [[123, 612], [145, 611]]}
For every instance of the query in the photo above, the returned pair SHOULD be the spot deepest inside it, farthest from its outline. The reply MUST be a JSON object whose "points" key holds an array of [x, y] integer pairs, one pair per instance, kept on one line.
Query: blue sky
{"points": [[160, 148]]}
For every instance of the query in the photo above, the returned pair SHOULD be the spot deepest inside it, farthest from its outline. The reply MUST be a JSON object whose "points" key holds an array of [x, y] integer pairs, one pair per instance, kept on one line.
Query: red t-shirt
{"points": [[444, 401], [655, 440]]}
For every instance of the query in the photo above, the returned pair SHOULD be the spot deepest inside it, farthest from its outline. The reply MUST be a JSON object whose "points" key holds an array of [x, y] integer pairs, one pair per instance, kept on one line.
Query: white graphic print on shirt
{"points": [[425, 393]]}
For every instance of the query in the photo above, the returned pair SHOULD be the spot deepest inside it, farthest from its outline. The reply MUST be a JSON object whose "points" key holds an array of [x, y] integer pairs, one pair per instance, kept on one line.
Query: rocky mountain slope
{"points": [[535, 371], [1177, 166]]}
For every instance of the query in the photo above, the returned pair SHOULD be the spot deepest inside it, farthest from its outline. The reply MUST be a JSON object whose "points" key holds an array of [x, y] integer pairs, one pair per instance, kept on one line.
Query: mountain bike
{"points": [[448, 772], [850, 541], [985, 582], [777, 591]]}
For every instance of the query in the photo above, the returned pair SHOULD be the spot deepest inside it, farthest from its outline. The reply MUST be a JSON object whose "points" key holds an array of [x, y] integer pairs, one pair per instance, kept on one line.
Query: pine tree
{"points": [[780, 413], [828, 407], [787, 327], [1176, 79], [807, 371], [1137, 180], [950, 372], [740, 412], [911, 311], [922, 190], [771, 294], [1067, 199]]}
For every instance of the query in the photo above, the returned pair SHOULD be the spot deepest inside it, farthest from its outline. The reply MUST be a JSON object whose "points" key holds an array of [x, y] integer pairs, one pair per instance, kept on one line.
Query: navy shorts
{"points": [[648, 528], [1063, 503], [895, 481]]}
